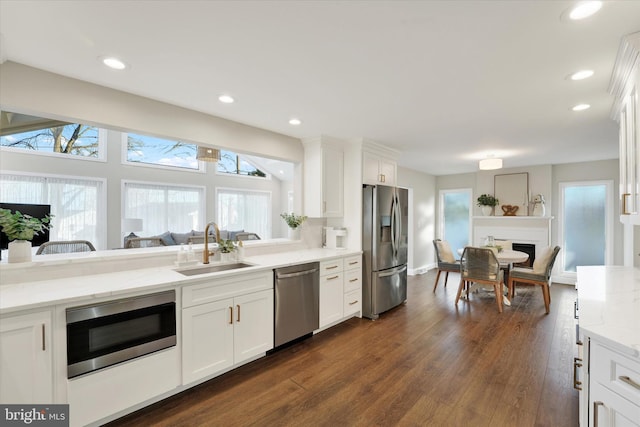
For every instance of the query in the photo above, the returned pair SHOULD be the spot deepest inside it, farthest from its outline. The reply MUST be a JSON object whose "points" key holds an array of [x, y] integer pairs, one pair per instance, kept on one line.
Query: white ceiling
{"points": [[444, 82]]}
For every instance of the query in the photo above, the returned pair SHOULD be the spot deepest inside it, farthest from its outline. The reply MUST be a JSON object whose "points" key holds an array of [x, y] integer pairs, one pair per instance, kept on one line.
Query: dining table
{"points": [[506, 258]]}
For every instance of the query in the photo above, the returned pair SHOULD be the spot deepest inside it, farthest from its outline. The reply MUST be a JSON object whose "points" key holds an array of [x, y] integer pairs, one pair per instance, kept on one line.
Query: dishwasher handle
{"points": [[296, 274]]}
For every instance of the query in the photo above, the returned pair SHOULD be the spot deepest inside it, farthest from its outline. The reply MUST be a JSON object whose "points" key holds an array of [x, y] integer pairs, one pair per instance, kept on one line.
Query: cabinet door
{"points": [[388, 172], [608, 409], [332, 182], [370, 168], [253, 325], [25, 352], [207, 339], [331, 298]]}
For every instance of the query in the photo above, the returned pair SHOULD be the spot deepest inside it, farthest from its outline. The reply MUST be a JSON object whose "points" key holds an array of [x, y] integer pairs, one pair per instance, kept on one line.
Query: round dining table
{"points": [[506, 258]]}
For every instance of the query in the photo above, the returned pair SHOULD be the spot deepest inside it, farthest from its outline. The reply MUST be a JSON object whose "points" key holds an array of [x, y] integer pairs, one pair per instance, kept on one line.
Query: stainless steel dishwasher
{"points": [[297, 301]]}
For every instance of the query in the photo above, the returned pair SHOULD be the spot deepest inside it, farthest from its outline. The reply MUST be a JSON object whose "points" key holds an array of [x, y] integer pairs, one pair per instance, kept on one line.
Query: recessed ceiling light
{"points": [[295, 122], [581, 75], [227, 99], [584, 9], [581, 107], [113, 62]]}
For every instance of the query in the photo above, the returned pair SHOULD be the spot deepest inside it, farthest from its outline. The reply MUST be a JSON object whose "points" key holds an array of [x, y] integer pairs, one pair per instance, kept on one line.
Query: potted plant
{"points": [[226, 247], [20, 229], [293, 221], [487, 202]]}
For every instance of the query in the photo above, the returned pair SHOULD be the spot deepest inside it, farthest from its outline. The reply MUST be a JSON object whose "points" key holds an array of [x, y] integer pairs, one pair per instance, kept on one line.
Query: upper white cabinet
{"points": [[378, 164], [323, 178], [625, 85], [26, 374]]}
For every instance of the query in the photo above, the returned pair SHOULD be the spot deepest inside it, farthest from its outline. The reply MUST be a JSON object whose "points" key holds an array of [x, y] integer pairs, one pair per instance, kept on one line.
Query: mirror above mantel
{"points": [[512, 191]]}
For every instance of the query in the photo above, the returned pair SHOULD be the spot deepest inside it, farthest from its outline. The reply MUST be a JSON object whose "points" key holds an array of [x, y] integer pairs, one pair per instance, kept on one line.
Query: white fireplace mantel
{"points": [[535, 230]]}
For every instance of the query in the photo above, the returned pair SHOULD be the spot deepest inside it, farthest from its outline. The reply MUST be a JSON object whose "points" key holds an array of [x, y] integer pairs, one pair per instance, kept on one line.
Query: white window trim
{"points": [[238, 175], [248, 190], [567, 277], [124, 150], [101, 232], [102, 151]]}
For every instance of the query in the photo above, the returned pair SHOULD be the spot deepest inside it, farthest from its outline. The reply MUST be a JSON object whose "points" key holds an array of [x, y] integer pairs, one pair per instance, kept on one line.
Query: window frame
{"points": [[202, 166], [238, 175], [247, 191]]}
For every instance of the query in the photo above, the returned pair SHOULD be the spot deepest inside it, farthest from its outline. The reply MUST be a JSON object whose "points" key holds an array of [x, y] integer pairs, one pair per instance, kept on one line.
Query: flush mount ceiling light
{"points": [[584, 9], [581, 107], [490, 163], [113, 62], [226, 99], [581, 75], [208, 154], [295, 122]]}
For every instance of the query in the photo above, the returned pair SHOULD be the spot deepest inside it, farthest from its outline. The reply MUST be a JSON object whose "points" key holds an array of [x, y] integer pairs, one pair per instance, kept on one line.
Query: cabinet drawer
{"points": [[616, 372], [216, 289], [331, 267], [352, 302], [352, 280], [332, 278], [353, 262]]}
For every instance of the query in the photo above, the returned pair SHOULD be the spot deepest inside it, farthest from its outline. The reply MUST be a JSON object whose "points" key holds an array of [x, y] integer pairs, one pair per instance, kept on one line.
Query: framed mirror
{"points": [[512, 190]]}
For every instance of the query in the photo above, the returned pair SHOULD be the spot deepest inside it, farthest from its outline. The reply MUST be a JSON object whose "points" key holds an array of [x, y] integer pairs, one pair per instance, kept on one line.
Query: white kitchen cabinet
{"points": [[352, 286], [26, 374], [323, 178], [378, 170], [225, 323], [625, 87], [331, 291]]}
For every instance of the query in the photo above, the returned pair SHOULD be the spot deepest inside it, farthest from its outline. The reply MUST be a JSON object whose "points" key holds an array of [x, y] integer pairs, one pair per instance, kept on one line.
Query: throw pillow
{"points": [[445, 252], [180, 238], [167, 239], [541, 261]]}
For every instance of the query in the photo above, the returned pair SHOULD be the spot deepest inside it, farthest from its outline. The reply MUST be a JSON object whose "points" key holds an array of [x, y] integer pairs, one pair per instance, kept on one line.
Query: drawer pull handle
{"points": [[595, 412], [331, 267], [231, 315], [632, 383], [353, 262], [576, 365], [354, 302], [332, 277], [353, 280]]}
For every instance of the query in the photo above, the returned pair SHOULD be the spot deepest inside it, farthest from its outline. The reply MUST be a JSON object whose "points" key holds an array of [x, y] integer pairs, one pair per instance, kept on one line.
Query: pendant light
{"points": [[208, 154]]}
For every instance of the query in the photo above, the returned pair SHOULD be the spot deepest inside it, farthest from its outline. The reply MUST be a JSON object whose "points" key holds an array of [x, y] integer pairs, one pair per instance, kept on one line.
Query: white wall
{"points": [[423, 186]]}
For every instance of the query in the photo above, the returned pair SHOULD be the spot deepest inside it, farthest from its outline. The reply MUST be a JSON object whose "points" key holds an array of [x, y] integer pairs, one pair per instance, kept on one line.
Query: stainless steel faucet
{"points": [[206, 253]]}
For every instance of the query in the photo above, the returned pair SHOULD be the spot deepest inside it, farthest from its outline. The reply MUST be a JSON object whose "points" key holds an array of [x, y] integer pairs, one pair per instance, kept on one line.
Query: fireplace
{"points": [[527, 248]]}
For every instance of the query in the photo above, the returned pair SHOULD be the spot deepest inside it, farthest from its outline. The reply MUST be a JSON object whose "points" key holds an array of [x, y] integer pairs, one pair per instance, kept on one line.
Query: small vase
{"points": [[486, 210], [226, 256], [294, 233], [20, 251]]}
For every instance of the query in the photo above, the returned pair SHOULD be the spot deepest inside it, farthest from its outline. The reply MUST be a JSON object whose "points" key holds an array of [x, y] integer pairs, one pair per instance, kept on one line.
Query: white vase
{"points": [[294, 233], [486, 210], [20, 251], [227, 256]]}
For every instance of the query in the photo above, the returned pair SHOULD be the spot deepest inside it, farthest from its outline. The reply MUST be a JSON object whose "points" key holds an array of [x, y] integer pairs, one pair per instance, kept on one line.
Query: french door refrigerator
{"points": [[384, 246]]}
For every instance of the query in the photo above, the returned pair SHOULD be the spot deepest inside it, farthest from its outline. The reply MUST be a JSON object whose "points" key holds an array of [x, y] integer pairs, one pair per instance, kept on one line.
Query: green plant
{"points": [[226, 246], [294, 221], [18, 226], [487, 200]]}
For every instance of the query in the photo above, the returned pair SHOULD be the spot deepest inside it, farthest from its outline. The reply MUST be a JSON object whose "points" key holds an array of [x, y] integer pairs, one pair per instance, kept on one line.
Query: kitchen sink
{"points": [[213, 268]]}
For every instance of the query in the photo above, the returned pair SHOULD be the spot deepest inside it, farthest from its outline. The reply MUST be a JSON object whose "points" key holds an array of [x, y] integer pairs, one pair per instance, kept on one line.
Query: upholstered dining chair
{"points": [[65, 247], [538, 275], [481, 266], [446, 261]]}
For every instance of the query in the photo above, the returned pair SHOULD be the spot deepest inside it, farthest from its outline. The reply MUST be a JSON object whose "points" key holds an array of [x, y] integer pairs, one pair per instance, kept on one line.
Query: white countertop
{"points": [[609, 306], [45, 293]]}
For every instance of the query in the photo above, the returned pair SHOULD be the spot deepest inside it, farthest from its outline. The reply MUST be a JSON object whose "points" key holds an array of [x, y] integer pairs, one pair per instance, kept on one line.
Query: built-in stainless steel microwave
{"points": [[102, 335]]}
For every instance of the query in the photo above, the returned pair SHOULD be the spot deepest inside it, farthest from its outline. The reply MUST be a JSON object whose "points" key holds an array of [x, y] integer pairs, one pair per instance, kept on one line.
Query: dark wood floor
{"points": [[426, 363]]}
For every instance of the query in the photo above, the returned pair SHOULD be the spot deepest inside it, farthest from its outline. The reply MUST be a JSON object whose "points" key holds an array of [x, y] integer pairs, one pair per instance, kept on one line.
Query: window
{"points": [[244, 210], [50, 137], [585, 226], [232, 163], [151, 151], [455, 214], [78, 204], [164, 207]]}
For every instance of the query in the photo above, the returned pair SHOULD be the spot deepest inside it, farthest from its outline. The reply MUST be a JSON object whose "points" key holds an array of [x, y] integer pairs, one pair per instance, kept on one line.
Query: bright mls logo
{"points": [[34, 415]]}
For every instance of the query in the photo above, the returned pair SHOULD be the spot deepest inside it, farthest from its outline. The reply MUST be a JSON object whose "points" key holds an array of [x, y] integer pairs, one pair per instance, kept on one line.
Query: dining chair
{"points": [[144, 242], [481, 266], [446, 261], [65, 247], [539, 275], [241, 237]]}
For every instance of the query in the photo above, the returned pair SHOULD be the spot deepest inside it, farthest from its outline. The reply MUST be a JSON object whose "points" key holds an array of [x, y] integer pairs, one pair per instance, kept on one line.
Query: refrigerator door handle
{"points": [[393, 271], [398, 224], [393, 227]]}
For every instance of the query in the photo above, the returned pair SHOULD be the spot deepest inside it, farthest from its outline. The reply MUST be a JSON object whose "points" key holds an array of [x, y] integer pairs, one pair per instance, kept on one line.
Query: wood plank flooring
{"points": [[426, 363]]}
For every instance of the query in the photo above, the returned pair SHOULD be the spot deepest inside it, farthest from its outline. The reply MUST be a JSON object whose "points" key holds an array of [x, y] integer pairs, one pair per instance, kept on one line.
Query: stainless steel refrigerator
{"points": [[384, 246]]}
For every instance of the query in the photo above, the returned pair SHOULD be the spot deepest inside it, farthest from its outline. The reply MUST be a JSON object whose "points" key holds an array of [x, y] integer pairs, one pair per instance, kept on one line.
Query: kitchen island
{"points": [[608, 312]]}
